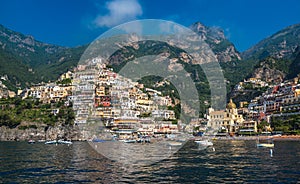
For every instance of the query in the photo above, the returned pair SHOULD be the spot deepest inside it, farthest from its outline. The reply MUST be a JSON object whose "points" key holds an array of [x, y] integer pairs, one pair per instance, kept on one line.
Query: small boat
{"points": [[64, 142], [204, 142], [174, 143], [31, 141], [128, 140], [266, 145], [98, 140], [51, 142], [143, 140], [58, 142]]}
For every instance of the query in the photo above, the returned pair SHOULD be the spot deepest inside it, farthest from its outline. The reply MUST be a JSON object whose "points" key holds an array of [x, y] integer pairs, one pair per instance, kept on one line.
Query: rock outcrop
{"points": [[215, 38], [41, 133]]}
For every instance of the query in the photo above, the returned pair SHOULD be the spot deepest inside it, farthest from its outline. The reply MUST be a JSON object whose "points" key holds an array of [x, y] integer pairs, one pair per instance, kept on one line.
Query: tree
{"points": [[262, 126], [17, 101]]}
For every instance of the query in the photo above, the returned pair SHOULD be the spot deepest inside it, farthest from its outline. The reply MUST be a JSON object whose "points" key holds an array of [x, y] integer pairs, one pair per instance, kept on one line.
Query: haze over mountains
{"points": [[25, 61]]}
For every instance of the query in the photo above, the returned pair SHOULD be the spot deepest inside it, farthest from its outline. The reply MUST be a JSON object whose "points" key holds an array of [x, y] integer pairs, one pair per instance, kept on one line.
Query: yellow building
{"points": [[225, 121], [100, 91], [249, 126], [11, 94], [297, 92], [144, 103], [103, 112], [50, 93], [67, 75], [126, 128]]}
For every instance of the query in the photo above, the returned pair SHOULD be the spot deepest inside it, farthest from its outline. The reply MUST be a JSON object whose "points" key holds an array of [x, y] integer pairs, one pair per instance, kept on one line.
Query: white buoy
{"points": [[271, 152], [213, 149]]}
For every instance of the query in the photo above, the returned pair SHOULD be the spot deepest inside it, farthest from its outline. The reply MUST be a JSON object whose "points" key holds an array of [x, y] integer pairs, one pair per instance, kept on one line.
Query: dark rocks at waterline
{"points": [[40, 133]]}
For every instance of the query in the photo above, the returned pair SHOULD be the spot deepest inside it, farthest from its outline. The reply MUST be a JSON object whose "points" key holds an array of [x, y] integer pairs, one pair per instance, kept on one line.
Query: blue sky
{"points": [[77, 22]]}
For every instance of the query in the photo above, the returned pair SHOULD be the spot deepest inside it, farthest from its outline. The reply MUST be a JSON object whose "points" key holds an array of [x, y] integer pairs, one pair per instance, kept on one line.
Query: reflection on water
{"points": [[137, 154], [232, 161]]}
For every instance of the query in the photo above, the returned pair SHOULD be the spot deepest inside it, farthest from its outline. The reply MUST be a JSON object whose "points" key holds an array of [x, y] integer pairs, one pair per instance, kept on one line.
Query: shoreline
{"points": [[234, 138], [282, 137]]}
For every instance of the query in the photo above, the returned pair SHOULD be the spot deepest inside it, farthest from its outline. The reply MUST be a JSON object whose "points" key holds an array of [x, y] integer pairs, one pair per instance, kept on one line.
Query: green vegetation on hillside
{"points": [[294, 67], [26, 61], [236, 71], [277, 64], [29, 112], [18, 73], [55, 65], [284, 40], [287, 124]]}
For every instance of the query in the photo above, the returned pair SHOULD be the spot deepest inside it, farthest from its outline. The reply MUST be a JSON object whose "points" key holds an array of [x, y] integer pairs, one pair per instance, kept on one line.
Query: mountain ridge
{"points": [[281, 44], [45, 61], [220, 45], [41, 62]]}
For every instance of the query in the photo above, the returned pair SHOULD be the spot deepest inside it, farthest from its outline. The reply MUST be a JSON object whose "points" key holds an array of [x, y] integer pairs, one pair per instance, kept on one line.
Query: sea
{"points": [[228, 161]]}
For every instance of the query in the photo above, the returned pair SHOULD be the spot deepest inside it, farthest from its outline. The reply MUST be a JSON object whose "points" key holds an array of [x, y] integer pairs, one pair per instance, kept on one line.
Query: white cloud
{"points": [[120, 11], [133, 27]]}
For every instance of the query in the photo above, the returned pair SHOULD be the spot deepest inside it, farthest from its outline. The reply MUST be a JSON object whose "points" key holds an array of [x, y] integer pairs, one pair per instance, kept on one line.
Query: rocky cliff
{"points": [[215, 38], [267, 71]]}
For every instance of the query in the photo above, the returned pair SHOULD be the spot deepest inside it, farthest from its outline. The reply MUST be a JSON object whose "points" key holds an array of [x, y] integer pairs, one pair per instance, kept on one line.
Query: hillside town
{"points": [[129, 110]]}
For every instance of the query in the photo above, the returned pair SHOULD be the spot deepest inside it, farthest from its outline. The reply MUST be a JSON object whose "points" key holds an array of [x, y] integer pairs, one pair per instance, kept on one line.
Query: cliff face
{"points": [[269, 74], [42, 133], [274, 70], [215, 38]]}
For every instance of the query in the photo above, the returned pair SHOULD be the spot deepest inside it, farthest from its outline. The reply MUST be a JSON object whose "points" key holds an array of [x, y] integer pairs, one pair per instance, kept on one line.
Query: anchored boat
{"points": [[268, 143], [31, 141], [58, 142], [205, 142]]}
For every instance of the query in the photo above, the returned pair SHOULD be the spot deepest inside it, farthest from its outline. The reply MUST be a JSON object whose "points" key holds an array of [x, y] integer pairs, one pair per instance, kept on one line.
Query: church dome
{"points": [[231, 105]]}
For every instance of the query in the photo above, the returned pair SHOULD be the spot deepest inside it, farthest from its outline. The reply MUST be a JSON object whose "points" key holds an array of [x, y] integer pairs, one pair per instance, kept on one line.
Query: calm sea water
{"points": [[231, 162]]}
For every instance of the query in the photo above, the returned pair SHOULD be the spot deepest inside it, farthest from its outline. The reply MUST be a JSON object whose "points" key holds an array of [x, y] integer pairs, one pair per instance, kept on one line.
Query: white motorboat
{"points": [[64, 142], [51, 142], [205, 142], [266, 145], [174, 143], [58, 142], [128, 140]]}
